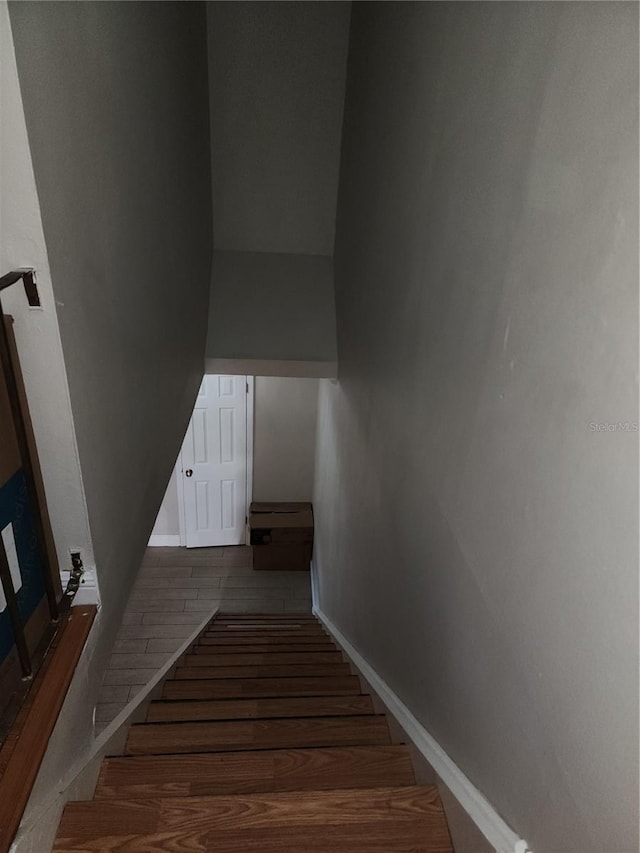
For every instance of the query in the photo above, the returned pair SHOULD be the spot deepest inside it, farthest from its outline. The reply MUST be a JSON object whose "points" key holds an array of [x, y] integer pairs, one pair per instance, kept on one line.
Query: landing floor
{"points": [[175, 589]]}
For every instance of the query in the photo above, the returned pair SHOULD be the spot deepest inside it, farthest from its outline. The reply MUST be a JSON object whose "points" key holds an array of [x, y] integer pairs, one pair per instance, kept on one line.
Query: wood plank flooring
{"points": [[252, 772], [254, 688], [259, 647], [251, 709], [256, 658], [266, 751], [234, 735], [174, 589], [266, 670], [264, 640]]}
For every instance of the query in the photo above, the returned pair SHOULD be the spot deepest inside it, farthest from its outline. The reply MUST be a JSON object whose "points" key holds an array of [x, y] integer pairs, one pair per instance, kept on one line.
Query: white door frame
{"points": [[249, 470], [250, 427]]}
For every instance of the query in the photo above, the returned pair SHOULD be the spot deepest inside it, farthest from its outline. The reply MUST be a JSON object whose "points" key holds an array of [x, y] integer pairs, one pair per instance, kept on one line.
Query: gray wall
{"points": [[272, 306], [116, 104], [277, 93], [284, 438], [477, 538], [22, 244], [277, 81], [168, 518]]}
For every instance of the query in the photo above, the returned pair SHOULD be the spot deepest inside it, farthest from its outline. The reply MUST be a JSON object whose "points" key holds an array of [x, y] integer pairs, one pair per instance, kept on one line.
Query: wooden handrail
{"points": [[23, 751]]}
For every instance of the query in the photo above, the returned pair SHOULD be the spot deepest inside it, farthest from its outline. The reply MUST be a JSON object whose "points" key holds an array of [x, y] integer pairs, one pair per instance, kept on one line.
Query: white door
{"points": [[214, 464]]}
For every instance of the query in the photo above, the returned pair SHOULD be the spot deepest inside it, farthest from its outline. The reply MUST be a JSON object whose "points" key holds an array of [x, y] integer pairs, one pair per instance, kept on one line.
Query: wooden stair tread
{"points": [[248, 659], [298, 616], [209, 773], [230, 735], [253, 688], [236, 633], [268, 627], [238, 639], [266, 618], [262, 741], [275, 627], [263, 628], [305, 614], [252, 648], [392, 837], [263, 670], [399, 816], [245, 709]]}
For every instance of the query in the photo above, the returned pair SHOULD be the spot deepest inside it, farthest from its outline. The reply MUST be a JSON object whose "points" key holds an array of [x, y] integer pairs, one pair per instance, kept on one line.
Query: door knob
{"points": [[189, 472]]}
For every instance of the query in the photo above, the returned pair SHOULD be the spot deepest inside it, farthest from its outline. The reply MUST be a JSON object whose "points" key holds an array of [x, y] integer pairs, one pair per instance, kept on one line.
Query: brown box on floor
{"points": [[281, 535]]}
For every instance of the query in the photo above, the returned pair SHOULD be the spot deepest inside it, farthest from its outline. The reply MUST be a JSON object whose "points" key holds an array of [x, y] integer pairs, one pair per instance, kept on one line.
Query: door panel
{"points": [[215, 451]]}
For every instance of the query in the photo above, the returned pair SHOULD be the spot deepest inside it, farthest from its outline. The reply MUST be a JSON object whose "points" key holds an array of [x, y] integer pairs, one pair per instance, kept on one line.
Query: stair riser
{"points": [[269, 658], [328, 670], [316, 706], [262, 639], [262, 649], [260, 688], [277, 619], [262, 631], [165, 738]]}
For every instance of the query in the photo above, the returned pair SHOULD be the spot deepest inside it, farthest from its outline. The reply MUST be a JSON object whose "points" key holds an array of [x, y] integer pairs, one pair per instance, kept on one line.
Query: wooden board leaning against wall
{"points": [[30, 590]]}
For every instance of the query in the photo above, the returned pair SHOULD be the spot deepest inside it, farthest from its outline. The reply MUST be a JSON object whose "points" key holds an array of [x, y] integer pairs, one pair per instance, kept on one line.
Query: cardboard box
{"points": [[281, 535]]}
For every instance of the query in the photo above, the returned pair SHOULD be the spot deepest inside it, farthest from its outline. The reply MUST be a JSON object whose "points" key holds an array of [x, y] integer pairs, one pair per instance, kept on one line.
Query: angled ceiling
{"points": [[277, 75], [277, 81]]}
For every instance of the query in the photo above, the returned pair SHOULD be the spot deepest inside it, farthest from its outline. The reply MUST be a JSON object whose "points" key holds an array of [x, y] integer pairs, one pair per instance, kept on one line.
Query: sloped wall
{"points": [[22, 244], [476, 527], [272, 314], [277, 83], [277, 78], [116, 104]]}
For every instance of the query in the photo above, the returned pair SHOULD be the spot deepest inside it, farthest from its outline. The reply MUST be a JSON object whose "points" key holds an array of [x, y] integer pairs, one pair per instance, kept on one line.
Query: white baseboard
{"points": [[484, 816], [164, 540]]}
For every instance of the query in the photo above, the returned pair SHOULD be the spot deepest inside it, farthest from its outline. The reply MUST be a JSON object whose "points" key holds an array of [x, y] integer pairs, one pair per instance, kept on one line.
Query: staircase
{"points": [[262, 741]]}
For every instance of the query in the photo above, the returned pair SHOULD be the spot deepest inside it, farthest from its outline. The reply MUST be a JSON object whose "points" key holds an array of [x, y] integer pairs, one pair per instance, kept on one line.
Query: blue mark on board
{"points": [[15, 509]]}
